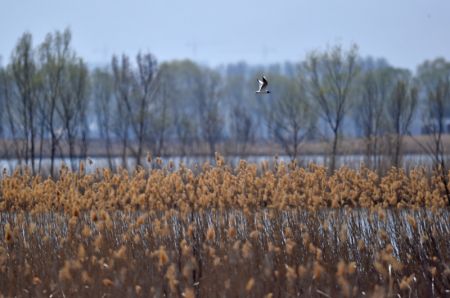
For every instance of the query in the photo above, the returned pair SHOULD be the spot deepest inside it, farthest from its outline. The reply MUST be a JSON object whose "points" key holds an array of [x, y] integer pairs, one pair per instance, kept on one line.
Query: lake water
{"points": [[354, 160]]}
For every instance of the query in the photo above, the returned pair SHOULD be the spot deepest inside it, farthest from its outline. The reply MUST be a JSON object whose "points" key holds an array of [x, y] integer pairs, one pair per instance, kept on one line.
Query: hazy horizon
{"points": [[405, 33]]}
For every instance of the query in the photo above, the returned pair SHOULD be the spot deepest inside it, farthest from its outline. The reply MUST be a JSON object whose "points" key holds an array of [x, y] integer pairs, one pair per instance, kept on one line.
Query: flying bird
{"points": [[263, 85]]}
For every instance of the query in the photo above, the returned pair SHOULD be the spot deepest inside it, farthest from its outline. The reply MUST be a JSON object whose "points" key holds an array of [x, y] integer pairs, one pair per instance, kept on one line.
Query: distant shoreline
{"points": [[97, 149]]}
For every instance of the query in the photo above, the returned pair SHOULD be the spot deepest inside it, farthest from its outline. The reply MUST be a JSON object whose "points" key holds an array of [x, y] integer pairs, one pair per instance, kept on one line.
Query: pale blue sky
{"points": [[405, 32]]}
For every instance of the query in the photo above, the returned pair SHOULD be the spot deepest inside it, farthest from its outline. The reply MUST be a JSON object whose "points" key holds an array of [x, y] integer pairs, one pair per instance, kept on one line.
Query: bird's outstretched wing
{"points": [[262, 84], [265, 83]]}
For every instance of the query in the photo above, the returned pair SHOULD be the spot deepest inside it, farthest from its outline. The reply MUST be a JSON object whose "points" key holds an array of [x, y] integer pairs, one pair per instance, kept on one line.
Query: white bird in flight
{"points": [[263, 85]]}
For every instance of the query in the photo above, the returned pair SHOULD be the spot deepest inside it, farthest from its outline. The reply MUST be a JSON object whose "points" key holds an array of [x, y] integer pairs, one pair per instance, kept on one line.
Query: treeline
{"points": [[52, 103]]}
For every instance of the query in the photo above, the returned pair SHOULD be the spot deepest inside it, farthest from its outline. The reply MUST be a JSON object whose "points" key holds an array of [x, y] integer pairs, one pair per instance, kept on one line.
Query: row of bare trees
{"points": [[335, 87], [44, 94], [149, 108], [53, 105], [385, 109]]}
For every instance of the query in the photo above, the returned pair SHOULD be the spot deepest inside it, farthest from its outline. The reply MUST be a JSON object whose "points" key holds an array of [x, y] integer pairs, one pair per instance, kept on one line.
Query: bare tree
{"points": [[289, 113], [209, 110], [179, 80], [242, 128], [375, 87], [123, 89], [54, 55], [73, 103], [41, 114], [186, 130], [331, 75], [84, 130], [135, 92], [24, 72], [144, 92], [102, 96], [4, 94], [12, 114], [434, 76], [242, 123], [161, 113], [400, 111]]}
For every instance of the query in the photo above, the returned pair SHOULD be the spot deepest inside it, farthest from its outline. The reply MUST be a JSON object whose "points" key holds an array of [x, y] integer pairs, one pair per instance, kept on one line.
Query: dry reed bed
{"points": [[247, 186], [350, 253], [218, 231]]}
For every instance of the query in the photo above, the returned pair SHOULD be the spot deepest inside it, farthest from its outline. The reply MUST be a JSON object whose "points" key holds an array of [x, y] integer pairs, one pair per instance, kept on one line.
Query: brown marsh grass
{"points": [[217, 231]]}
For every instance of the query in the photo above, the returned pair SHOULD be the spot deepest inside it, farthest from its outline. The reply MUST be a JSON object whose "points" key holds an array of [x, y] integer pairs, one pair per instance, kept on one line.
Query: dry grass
{"points": [[252, 231]]}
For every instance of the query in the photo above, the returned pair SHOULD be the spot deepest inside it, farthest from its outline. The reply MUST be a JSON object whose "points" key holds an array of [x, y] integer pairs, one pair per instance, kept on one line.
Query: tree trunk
{"points": [[334, 151], [398, 142], [108, 151], [124, 152], [53, 154], [33, 154], [71, 142]]}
